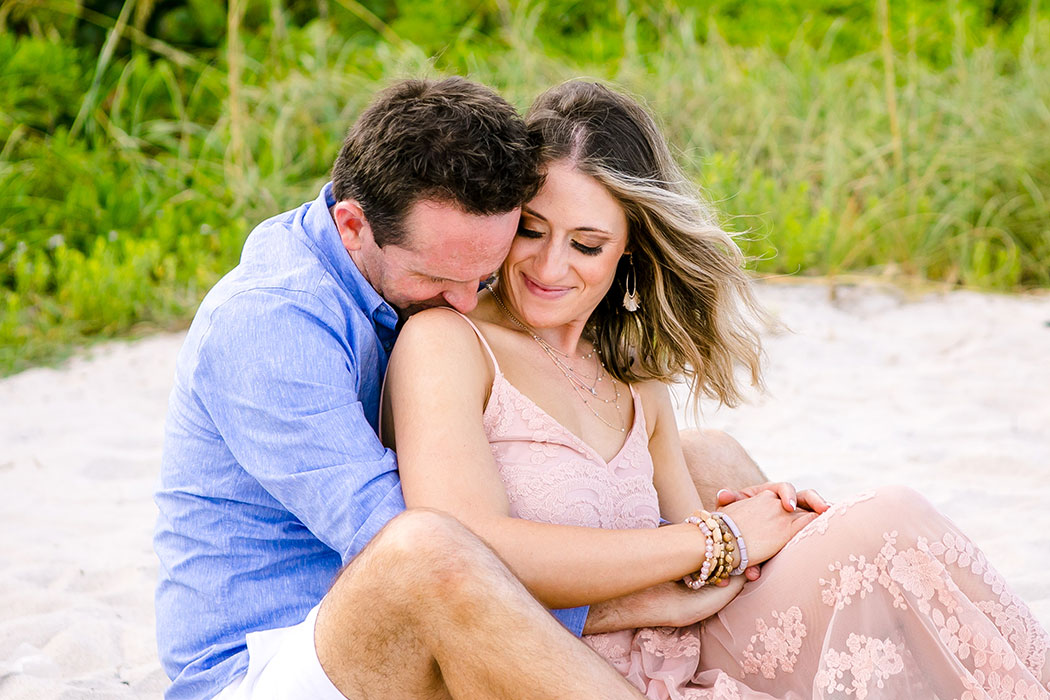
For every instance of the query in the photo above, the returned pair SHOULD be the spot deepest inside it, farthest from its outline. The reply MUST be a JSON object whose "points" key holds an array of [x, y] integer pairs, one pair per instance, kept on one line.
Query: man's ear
{"points": [[351, 223]]}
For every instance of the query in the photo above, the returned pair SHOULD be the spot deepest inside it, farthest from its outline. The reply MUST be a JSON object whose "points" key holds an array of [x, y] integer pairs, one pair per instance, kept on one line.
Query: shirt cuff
{"points": [[573, 618]]}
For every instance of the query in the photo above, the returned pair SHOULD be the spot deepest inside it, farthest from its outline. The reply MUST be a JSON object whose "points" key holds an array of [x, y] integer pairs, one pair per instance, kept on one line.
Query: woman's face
{"points": [[564, 257]]}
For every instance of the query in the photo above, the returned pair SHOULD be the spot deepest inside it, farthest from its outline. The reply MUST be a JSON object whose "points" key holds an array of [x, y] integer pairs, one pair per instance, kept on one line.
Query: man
{"points": [[273, 479]]}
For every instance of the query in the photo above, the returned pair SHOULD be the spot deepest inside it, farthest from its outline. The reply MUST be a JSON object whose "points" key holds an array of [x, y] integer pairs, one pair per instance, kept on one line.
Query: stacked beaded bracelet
{"points": [[740, 546], [719, 548], [698, 579], [722, 538]]}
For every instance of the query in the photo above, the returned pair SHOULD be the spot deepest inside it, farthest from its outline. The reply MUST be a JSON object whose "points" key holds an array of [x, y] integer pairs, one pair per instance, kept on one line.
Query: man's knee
{"points": [[379, 623], [420, 554], [718, 450], [716, 460]]}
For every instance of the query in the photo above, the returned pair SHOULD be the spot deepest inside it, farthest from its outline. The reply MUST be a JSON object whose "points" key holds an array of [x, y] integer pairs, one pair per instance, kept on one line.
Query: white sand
{"points": [[947, 393]]}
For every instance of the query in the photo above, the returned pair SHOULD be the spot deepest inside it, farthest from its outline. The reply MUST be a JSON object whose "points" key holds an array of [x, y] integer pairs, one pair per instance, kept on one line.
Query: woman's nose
{"points": [[551, 264]]}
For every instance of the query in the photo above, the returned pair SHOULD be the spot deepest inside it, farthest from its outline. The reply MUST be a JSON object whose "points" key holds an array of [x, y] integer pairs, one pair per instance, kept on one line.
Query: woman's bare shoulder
{"points": [[656, 402], [653, 391], [441, 338]]}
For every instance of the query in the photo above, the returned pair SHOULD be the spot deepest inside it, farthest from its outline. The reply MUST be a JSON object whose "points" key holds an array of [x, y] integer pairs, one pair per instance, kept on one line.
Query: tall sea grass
{"points": [[128, 185]]}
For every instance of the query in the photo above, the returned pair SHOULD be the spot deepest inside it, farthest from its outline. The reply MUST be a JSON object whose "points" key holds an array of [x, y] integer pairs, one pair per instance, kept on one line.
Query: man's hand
{"points": [[666, 605]]}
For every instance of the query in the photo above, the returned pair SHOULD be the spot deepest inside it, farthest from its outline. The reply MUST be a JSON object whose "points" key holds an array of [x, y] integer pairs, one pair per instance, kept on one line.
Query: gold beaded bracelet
{"points": [[720, 545]]}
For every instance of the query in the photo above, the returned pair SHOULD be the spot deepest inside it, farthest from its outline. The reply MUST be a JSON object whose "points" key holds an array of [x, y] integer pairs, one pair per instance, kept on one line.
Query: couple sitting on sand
{"points": [[536, 449]]}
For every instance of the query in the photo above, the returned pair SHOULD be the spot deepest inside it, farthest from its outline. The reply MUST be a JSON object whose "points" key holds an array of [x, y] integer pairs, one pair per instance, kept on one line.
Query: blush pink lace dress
{"points": [[880, 597]]}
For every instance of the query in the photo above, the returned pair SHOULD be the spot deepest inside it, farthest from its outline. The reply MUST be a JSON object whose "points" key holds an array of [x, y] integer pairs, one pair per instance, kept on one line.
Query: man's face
{"points": [[445, 256]]}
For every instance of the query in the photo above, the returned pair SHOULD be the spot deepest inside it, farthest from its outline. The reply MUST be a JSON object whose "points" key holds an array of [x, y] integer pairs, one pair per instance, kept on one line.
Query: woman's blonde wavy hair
{"points": [[698, 318]]}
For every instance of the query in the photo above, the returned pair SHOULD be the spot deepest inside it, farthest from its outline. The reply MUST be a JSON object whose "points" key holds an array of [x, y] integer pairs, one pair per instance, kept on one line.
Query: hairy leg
{"points": [[717, 461], [429, 611]]}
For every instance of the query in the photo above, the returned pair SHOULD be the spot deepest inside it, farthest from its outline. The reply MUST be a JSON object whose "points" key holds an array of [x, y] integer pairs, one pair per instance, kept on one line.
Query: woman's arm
{"points": [[437, 385], [674, 485]]}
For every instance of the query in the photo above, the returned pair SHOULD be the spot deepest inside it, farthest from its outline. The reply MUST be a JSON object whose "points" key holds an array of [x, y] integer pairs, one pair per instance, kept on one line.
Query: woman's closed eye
{"points": [[529, 233], [583, 248], [587, 249]]}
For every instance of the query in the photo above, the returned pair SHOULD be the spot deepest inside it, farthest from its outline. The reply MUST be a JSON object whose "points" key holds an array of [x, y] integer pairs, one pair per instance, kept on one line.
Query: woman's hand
{"points": [[789, 498], [765, 524]]}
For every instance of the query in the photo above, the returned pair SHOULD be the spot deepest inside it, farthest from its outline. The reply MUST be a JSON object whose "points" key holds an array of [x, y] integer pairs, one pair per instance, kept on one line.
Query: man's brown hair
{"points": [[451, 141]]}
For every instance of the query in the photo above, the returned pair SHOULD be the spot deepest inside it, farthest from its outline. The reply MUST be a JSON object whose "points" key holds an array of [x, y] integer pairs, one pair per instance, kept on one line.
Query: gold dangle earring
{"points": [[630, 298]]}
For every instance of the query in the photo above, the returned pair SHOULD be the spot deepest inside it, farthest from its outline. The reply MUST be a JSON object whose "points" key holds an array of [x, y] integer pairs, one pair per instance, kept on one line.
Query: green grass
{"points": [[129, 180]]}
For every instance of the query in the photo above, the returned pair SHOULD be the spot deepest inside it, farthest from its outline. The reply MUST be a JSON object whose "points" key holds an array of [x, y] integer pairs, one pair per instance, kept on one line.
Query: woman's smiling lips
{"points": [[543, 291]]}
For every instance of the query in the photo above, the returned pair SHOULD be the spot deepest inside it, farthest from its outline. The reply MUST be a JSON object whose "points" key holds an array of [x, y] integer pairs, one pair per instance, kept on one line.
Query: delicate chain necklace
{"points": [[578, 385], [577, 378]]}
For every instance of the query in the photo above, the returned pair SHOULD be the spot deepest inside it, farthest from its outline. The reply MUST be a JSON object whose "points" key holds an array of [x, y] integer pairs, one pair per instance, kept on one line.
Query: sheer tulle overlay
{"points": [[880, 597]]}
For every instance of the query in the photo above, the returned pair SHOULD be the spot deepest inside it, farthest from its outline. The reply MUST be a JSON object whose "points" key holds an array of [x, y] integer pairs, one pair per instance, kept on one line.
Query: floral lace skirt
{"points": [[880, 597]]}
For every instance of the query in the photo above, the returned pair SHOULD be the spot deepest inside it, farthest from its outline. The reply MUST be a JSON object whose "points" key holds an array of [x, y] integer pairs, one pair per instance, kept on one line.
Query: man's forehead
{"points": [[454, 244], [456, 261]]}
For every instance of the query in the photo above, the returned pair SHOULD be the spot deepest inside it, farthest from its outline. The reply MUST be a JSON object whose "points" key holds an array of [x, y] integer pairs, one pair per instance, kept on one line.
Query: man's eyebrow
{"points": [[435, 278], [588, 229]]}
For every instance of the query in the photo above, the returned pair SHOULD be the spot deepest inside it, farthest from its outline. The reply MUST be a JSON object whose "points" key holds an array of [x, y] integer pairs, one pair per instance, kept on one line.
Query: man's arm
{"points": [[279, 380], [666, 605]]}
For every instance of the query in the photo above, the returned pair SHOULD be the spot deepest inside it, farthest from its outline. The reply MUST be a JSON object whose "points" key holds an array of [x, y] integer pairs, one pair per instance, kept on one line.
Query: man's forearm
{"points": [[666, 605]]}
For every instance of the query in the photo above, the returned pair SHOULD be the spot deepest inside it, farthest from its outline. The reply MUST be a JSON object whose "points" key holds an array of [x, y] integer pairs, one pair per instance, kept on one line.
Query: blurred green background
{"points": [[141, 141]]}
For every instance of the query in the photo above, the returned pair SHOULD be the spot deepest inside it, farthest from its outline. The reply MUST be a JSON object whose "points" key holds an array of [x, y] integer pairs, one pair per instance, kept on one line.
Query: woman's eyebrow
{"points": [[533, 213]]}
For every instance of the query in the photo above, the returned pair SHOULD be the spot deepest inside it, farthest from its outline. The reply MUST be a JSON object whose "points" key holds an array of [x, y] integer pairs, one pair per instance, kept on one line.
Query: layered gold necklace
{"points": [[585, 387]]}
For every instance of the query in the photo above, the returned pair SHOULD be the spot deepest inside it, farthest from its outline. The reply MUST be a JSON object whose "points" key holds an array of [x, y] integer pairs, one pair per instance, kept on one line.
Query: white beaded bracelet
{"points": [[742, 566]]}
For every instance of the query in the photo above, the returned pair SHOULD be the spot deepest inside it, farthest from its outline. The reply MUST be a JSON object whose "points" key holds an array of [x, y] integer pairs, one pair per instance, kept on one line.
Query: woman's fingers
{"points": [[811, 500], [725, 496], [787, 495], [804, 518], [782, 489]]}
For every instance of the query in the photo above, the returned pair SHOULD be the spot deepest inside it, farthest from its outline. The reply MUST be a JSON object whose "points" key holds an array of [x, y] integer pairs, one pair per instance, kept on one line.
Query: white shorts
{"points": [[283, 665]]}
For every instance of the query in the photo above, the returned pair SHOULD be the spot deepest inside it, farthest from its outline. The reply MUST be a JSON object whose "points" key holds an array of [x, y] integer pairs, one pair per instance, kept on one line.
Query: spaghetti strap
{"points": [[484, 344], [481, 337]]}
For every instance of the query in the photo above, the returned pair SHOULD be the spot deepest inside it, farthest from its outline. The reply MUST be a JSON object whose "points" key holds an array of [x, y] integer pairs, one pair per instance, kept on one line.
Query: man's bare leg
{"points": [[717, 461], [429, 611]]}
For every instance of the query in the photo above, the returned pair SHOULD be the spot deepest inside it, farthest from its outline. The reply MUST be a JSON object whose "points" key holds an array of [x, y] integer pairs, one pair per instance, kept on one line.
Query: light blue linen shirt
{"points": [[272, 476]]}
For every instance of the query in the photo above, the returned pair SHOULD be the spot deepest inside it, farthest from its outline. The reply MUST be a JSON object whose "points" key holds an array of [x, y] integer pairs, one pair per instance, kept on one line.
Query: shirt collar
{"points": [[320, 228]]}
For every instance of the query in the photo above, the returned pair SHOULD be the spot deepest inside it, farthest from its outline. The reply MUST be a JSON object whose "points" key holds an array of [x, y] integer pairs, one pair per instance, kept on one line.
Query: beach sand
{"points": [[948, 393]]}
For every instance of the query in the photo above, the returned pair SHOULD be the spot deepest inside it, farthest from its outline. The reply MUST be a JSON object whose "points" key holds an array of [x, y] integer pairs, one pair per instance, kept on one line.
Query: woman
{"points": [[544, 423]]}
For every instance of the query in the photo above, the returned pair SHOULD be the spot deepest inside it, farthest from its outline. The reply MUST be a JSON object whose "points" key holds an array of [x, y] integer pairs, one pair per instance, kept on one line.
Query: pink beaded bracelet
{"points": [[698, 580]]}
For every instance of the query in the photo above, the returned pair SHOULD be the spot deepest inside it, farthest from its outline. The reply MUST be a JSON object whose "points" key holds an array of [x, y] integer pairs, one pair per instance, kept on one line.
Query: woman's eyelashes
{"points": [[585, 249], [529, 233]]}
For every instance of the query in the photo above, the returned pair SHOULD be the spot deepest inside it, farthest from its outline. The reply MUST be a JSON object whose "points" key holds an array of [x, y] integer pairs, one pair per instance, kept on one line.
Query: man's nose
{"points": [[463, 297]]}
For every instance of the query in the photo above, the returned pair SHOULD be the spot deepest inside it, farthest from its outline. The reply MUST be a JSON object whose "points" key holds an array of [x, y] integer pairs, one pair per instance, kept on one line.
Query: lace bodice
{"points": [[553, 476]]}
